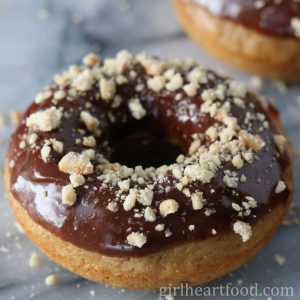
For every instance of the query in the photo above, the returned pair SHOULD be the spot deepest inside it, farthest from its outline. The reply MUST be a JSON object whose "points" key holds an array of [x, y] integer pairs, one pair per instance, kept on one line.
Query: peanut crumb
{"points": [[280, 259], [45, 152], [107, 89], [136, 239], [157, 83], [280, 187], [295, 23], [84, 81], [68, 195], [243, 229], [75, 163], [169, 206], [112, 206], [91, 60], [160, 227], [51, 280], [197, 200], [34, 260], [136, 109], [130, 199], [89, 121], [175, 82], [77, 180], [45, 120], [89, 141], [149, 214]]}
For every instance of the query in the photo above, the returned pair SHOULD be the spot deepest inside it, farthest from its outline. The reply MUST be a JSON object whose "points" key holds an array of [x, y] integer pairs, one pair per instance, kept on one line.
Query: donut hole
{"points": [[139, 144]]}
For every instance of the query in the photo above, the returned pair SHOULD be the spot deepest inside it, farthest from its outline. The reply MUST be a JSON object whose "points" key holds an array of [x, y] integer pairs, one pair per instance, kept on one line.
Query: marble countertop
{"points": [[40, 38]]}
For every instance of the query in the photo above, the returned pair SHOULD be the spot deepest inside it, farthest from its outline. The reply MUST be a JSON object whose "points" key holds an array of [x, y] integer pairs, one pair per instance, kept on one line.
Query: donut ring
{"points": [[143, 228], [260, 38]]}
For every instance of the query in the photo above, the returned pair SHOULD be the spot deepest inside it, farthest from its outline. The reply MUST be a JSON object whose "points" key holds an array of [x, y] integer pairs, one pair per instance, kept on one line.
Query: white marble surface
{"points": [[40, 38]]}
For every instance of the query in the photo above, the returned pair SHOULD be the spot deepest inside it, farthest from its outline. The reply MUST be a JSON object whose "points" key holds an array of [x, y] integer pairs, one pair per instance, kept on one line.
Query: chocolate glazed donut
{"points": [[223, 192], [257, 36]]}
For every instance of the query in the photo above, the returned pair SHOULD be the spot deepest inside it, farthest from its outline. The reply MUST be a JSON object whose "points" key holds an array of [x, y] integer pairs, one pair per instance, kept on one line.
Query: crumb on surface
{"points": [[51, 280], [34, 260], [280, 259]]}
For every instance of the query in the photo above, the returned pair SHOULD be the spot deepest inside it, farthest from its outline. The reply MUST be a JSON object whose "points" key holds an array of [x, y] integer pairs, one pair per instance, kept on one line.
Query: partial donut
{"points": [[261, 37], [196, 218]]}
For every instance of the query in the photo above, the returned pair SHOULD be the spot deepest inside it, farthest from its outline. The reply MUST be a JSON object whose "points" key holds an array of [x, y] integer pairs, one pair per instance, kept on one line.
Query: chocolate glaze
{"points": [[273, 18], [89, 225]]}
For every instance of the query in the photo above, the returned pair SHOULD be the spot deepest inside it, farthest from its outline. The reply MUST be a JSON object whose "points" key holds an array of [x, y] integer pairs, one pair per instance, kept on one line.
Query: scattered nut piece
{"points": [[156, 83], [281, 186], [77, 180], [169, 206], [45, 152], [191, 227], [41, 97], [160, 227], [136, 239], [237, 161], [130, 199], [280, 259], [34, 260], [89, 141], [145, 197], [74, 163], [149, 214], [251, 141], [191, 89], [243, 229], [51, 280], [59, 95], [84, 81], [136, 109], [89, 121], [295, 23], [91, 60], [112, 206], [197, 200], [68, 195], [45, 120], [124, 185], [57, 145], [107, 89], [175, 82]]}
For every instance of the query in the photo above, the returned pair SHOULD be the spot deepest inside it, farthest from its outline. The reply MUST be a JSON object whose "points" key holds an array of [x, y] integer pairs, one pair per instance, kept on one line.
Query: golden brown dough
{"points": [[208, 259], [265, 55]]}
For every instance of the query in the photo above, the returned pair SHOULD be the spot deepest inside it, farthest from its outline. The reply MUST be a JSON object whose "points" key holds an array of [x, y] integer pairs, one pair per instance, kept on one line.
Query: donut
{"points": [[225, 188], [261, 37]]}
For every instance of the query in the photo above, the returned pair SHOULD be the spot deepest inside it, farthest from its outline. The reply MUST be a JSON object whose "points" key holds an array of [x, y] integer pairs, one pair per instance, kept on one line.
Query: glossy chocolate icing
{"points": [[89, 225], [273, 18]]}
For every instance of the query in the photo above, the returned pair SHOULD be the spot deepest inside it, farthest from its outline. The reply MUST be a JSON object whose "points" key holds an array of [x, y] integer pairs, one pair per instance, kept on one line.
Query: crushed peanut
{"points": [[243, 229], [136, 239], [74, 163], [280, 187], [51, 280], [68, 195], [136, 108], [169, 206], [34, 260], [46, 120], [77, 180]]}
